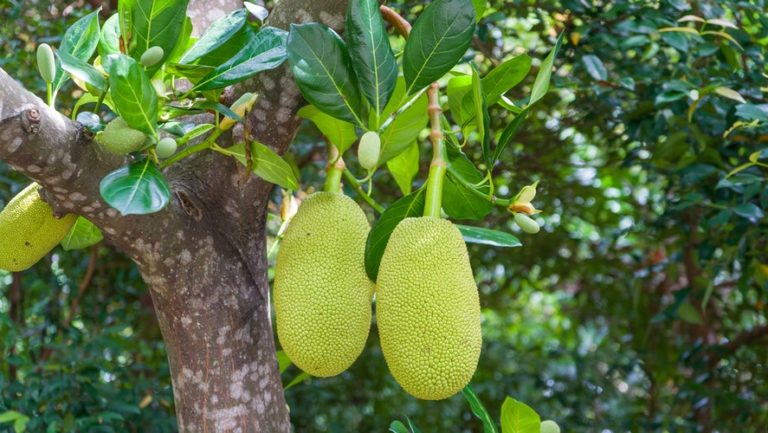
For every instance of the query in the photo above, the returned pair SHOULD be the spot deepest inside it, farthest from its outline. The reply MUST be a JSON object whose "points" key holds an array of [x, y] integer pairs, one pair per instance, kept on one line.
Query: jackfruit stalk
{"points": [[28, 230], [427, 308], [322, 293]]}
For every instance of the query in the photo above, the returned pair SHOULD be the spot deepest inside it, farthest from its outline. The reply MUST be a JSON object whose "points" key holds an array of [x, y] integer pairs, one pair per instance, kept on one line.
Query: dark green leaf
{"points": [[749, 211], [412, 426], [504, 77], [80, 40], [156, 23], [753, 112], [372, 58], [404, 129], [508, 133], [183, 43], [267, 164], [541, 84], [265, 51], [132, 93], [595, 67], [411, 205], [517, 417], [439, 39], [82, 71], [82, 235], [320, 65], [479, 410], [480, 235], [398, 427], [340, 133], [221, 40], [136, 189], [458, 201], [219, 108], [192, 72]]}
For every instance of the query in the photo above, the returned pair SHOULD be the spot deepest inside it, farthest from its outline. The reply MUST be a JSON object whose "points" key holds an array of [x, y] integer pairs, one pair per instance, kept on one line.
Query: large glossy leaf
{"points": [[266, 164], [340, 133], [409, 206], [109, 40], [82, 235], [439, 39], [136, 189], [517, 417], [155, 23], [265, 51], [133, 95], [458, 200], [82, 71], [372, 58], [221, 40], [321, 67], [80, 40], [404, 129], [504, 77], [405, 167], [183, 43], [541, 84], [479, 410], [483, 236]]}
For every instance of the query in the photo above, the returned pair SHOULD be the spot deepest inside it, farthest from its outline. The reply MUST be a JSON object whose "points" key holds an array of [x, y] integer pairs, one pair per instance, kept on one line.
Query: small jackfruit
{"points": [[428, 309], [322, 293], [29, 230], [120, 139]]}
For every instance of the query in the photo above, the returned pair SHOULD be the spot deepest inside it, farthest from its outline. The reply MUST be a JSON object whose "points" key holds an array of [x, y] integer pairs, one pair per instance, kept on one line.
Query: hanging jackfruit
{"points": [[28, 230], [322, 293], [427, 308]]}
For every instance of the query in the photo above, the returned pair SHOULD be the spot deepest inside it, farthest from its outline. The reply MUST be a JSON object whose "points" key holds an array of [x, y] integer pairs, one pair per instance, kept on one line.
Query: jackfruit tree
{"points": [[181, 133]]}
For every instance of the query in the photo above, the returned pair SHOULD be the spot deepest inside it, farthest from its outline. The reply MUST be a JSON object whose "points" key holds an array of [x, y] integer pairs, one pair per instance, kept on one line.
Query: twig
{"points": [[401, 25]]}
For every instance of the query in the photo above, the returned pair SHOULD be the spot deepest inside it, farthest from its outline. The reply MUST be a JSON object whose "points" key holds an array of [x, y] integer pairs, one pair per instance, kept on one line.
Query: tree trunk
{"points": [[203, 256]]}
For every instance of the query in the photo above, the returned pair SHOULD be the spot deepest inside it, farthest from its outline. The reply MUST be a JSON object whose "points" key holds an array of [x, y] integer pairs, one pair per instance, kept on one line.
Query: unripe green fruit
{"points": [[322, 293], [428, 309], [46, 62], [29, 230], [166, 147], [526, 223], [120, 139], [368, 150], [152, 56], [549, 426]]}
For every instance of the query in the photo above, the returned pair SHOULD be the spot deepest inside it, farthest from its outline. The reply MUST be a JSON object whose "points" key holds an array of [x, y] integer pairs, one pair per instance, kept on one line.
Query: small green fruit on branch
{"points": [[521, 207], [166, 147], [368, 150], [152, 56], [120, 139], [46, 63]]}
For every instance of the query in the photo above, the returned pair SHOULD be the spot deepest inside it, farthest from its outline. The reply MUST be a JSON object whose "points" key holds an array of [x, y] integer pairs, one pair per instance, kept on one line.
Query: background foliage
{"points": [[639, 307]]}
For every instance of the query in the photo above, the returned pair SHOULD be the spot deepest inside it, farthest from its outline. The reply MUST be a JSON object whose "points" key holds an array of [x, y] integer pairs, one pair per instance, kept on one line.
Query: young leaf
{"points": [[504, 77], [267, 164], [264, 51], [483, 236], [156, 23], [404, 129], [340, 133], [133, 95], [80, 40], [458, 88], [439, 39], [479, 410], [541, 84], [224, 34], [320, 65], [82, 235], [517, 417], [409, 206], [82, 71], [136, 189], [398, 427], [109, 41], [370, 52], [405, 167]]}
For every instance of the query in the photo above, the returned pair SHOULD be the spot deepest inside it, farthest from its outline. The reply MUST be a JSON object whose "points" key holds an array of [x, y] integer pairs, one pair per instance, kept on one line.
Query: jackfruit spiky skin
{"points": [[322, 293], [428, 309], [29, 231]]}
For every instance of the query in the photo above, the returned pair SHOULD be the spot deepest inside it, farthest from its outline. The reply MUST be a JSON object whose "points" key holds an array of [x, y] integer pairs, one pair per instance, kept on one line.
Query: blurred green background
{"points": [[639, 307]]}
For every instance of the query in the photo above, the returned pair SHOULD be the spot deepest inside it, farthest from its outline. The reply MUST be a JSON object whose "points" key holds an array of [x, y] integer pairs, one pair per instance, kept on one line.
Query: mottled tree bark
{"points": [[203, 256]]}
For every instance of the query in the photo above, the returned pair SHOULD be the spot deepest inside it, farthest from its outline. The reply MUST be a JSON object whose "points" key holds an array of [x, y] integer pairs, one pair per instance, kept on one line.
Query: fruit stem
{"points": [[438, 167], [49, 93], [334, 171]]}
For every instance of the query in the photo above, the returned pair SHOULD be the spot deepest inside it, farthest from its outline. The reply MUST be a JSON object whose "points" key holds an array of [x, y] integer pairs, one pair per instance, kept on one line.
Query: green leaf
{"points": [[183, 43], [372, 58], [193, 73], [156, 23], [480, 7], [82, 71], [340, 133], [404, 129], [541, 84], [219, 108], [411, 205], [688, 313], [195, 132], [296, 380], [283, 362], [398, 427], [136, 189], [479, 410], [749, 211], [480, 235], [320, 65], [80, 40], [132, 93], [10, 415], [405, 167], [482, 119], [458, 103], [82, 235], [265, 51], [730, 94], [109, 41], [504, 77], [412, 426], [517, 417], [439, 39], [20, 425], [509, 132], [595, 67], [267, 164], [458, 201], [220, 41]]}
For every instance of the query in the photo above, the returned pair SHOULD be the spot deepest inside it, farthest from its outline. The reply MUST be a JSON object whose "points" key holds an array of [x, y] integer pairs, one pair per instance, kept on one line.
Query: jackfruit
{"points": [[28, 230], [120, 139], [428, 309], [322, 293]]}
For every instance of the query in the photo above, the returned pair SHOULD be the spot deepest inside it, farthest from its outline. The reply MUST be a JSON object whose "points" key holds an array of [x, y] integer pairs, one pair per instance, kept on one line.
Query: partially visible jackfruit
{"points": [[120, 139], [28, 230], [322, 293], [427, 308]]}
